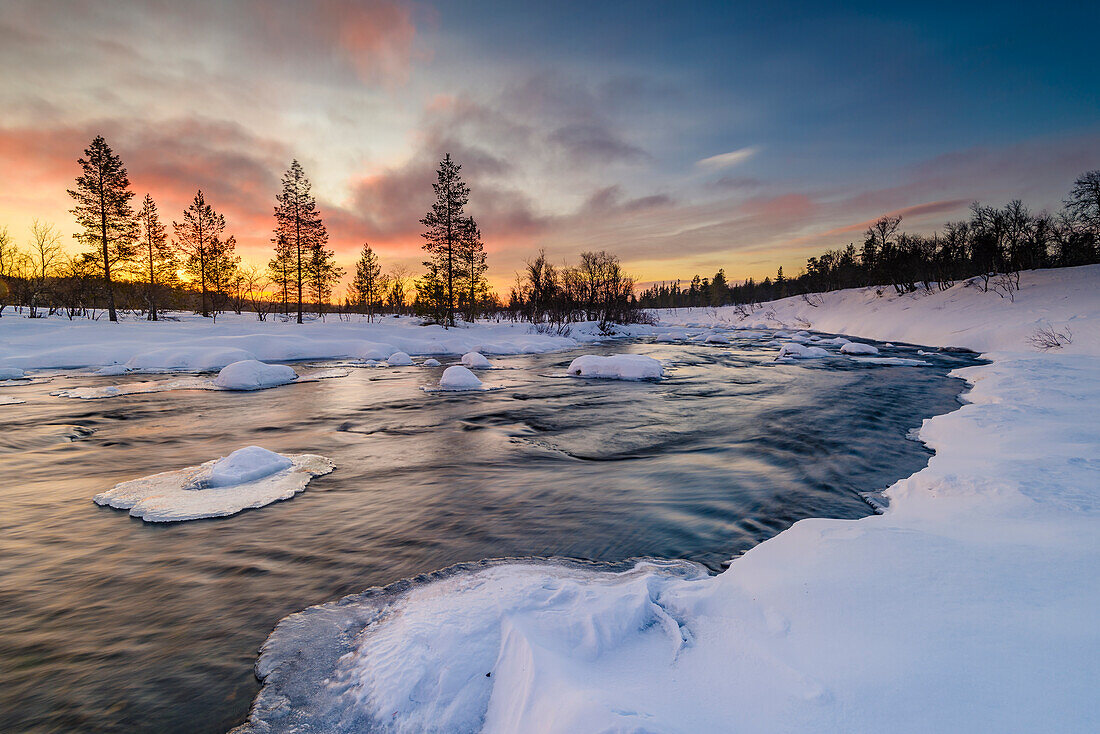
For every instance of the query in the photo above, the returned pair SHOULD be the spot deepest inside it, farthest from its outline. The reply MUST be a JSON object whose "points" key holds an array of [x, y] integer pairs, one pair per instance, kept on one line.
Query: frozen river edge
{"points": [[968, 605]]}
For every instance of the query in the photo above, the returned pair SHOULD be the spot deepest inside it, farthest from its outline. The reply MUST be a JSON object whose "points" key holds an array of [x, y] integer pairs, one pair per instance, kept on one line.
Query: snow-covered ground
{"points": [[970, 605], [196, 344]]}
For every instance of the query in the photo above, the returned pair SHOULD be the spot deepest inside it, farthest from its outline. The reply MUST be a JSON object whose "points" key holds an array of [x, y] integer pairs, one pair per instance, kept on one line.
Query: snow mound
{"points": [[858, 348], [430, 362], [112, 370], [458, 377], [251, 374], [899, 361], [378, 351], [247, 478], [795, 350], [617, 367], [399, 359], [476, 361], [717, 339], [11, 373], [241, 466]]}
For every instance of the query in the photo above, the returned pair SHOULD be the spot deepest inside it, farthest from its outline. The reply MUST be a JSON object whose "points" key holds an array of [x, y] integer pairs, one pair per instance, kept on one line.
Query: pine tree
{"points": [[446, 225], [298, 223], [222, 265], [281, 268], [102, 196], [196, 236], [365, 289], [322, 274], [472, 263], [157, 252]]}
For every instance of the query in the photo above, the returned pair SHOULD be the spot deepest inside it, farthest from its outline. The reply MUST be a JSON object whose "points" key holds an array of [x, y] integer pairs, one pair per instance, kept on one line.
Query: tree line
{"points": [[129, 257], [992, 246]]}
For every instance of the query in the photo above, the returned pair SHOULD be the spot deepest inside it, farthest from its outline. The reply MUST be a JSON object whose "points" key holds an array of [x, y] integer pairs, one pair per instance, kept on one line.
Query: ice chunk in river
{"points": [[858, 348], [617, 367], [475, 361], [250, 477], [458, 377], [250, 374], [399, 359]]}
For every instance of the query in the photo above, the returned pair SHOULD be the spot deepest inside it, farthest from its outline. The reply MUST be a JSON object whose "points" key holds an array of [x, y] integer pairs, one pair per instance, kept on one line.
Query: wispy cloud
{"points": [[727, 160]]}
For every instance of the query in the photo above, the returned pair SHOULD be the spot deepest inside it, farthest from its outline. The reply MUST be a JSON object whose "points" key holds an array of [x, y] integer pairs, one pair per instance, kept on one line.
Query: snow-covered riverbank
{"points": [[970, 605], [192, 343]]}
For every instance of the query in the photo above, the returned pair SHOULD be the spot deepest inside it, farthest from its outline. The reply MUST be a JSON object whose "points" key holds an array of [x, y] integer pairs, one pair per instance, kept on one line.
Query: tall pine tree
{"points": [[102, 196], [196, 236], [471, 254], [446, 227], [322, 274], [299, 225], [365, 288], [157, 253]]}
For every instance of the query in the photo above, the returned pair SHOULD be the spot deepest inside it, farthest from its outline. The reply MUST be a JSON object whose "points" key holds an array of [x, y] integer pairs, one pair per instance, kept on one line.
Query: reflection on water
{"points": [[110, 624]]}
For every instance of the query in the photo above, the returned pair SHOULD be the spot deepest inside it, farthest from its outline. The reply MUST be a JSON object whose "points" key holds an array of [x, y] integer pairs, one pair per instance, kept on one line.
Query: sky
{"points": [[684, 137]]}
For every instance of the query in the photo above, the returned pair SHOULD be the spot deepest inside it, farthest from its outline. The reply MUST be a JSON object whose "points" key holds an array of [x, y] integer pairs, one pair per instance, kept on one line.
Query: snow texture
{"points": [[617, 367], [247, 478], [969, 604]]}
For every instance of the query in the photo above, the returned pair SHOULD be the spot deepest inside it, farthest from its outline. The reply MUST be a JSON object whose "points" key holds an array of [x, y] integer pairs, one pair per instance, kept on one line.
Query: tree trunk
{"points": [[106, 259]]}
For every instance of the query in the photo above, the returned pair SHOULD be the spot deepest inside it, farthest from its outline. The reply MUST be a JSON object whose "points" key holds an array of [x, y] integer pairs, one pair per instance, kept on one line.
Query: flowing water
{"points": [[109, 624]]}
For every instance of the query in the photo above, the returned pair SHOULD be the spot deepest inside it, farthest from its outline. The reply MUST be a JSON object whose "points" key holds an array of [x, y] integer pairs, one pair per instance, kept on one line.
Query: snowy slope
{"points": [[970, 605]]}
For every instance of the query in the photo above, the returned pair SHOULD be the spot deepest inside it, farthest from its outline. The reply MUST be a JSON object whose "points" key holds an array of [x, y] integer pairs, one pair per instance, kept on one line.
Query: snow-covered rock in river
{"points": [[717, 339], [476, 361], [858, 348], [112, 370], [457, 377], [617, 367], [795, 350], [243, 465], [430, 362], [399, 359], [247, 478], [899, 361], [251, 374]]}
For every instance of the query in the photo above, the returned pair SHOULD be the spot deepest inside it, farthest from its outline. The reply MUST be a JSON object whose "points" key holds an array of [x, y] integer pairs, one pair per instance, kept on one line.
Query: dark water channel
{"points": [[108, 624]]}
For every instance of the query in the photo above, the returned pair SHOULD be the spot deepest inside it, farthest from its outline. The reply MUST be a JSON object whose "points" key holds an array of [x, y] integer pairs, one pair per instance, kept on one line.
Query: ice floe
{"points": [[794, 350], [247, 478]]}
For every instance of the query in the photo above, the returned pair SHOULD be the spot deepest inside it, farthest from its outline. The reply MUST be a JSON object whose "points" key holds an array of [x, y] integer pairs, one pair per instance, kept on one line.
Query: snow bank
{"points": [[476, 361], [969, 605], [247, 478], [616, 367], [457, 377], [858, 348], [399, 359], [11, 373], [253, 375]]}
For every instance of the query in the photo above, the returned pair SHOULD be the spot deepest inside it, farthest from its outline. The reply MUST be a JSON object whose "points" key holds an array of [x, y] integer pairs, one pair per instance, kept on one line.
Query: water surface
{"points": [[109, 624]]}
